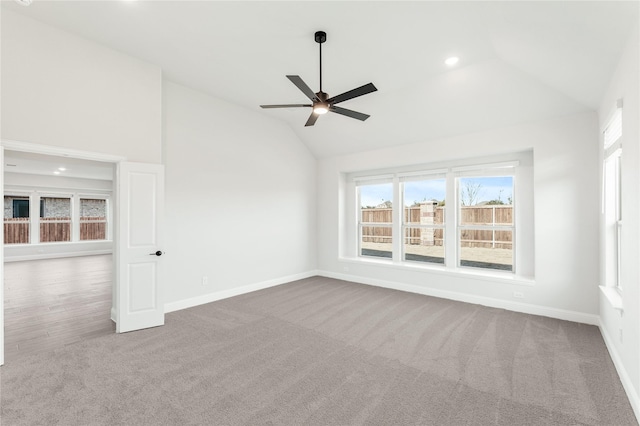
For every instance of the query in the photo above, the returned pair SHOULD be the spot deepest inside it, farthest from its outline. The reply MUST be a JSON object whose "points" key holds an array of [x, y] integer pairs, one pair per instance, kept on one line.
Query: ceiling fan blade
{"points": [[295, 79], [349, 113], [286, 106], [359, 91], [312, 119], [362, 90]]}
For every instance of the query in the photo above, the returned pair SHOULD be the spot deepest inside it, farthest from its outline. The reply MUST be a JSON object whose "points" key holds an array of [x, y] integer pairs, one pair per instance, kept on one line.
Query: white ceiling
{"points": [[520, 61], [46, 165]]}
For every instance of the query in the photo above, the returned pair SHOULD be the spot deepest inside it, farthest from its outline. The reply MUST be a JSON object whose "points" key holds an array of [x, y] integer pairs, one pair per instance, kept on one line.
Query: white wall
{"points": [[566, 217], [61, 90], [626, 351], [240, 197]]}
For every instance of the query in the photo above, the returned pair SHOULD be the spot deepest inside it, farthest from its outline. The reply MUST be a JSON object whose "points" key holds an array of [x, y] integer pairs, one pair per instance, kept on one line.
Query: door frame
{"points": [[12, 145]]}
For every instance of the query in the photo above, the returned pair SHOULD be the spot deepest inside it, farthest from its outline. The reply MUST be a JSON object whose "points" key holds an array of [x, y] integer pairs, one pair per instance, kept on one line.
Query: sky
{"points": [[491, 188]]}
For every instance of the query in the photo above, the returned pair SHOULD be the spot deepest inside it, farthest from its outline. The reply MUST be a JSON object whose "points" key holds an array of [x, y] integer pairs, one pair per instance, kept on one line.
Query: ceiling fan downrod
{"points": [[320, 38]]}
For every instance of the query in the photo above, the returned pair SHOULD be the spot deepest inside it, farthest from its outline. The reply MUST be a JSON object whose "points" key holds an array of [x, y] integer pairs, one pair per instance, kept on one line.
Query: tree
{"points": [[497, 201], [470, 192]]}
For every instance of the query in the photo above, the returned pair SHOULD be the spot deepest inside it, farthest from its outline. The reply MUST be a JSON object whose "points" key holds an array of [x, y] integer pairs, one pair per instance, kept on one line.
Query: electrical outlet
{"points": [[518, 295], [205, 280]]}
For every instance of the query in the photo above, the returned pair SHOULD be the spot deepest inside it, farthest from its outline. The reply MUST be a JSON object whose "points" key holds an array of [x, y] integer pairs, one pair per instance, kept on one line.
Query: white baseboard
{"points": [[224, 294], [113, 314], [469, 298], [632, 393]]}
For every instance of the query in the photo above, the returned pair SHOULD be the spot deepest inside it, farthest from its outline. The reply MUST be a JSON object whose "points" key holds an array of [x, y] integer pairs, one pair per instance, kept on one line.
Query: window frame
{"points": [[42, 197], [37, 197], [425, 176], [360, 224], [612, 211], [22, 195], [518, 165], [486, 173], [106, 221]]}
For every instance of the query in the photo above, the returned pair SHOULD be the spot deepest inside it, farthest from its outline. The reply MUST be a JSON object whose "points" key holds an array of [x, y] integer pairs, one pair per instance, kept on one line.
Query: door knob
{"points": [[158, 253]]}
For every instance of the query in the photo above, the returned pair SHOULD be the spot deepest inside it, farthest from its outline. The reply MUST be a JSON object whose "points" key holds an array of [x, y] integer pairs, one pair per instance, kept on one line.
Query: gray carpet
{"points": [[326, 352]]}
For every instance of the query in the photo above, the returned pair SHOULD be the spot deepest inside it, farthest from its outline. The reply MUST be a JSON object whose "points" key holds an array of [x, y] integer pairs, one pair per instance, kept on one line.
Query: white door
{"points": [[139, 287]]}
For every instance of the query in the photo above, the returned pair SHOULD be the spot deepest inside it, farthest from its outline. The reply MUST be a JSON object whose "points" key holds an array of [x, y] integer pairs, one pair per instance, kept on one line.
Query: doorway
{"points": [[138, 218], [58, 266]]}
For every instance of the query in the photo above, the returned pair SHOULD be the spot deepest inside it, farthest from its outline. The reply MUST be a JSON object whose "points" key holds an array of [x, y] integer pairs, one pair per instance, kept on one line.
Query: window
{"points": [[55, 219], [32, 218], [462, 216], [423, 219], [93, 219], [612, 198], [485, 224], [375, 232], [16, 219]]}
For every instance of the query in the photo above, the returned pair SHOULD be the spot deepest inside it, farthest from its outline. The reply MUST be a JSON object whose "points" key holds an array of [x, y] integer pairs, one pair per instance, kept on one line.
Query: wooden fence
{"points": [[473, 215], [16, 230]]}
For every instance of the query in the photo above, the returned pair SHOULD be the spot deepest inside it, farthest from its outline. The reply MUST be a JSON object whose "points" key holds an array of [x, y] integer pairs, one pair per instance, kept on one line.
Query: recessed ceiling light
{"points": [[24, 2], [452, 61], [56, 172], [62, 169]]}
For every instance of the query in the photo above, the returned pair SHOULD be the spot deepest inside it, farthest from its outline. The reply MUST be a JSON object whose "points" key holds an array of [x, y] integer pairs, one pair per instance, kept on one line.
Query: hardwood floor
{"points": [[55, 302]]}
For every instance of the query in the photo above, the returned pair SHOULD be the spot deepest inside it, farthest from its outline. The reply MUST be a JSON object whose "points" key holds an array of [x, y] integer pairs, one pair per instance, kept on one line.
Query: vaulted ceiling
{"points": [[519, 61]]}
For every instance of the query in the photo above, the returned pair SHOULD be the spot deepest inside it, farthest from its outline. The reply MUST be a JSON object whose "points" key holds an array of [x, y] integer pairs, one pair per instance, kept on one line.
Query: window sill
{"points": [[613, 296], [494, 277]]}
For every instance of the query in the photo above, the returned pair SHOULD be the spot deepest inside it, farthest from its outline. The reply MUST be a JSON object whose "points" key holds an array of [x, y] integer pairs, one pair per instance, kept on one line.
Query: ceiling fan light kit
{"points": [[321, 102]]}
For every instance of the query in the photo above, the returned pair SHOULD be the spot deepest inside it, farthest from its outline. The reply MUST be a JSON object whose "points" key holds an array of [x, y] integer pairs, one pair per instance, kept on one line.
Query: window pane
{"points": [[16, 220], [612, 198], [375, 203], [376, 241], [93, 219], [55, 220], [488, 249], [424, 201], [424, 244], [613, 132], [486, 200]]}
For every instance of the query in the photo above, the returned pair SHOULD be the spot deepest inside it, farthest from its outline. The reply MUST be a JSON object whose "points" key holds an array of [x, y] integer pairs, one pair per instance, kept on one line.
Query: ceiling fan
{"points": [[322, 103]]}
